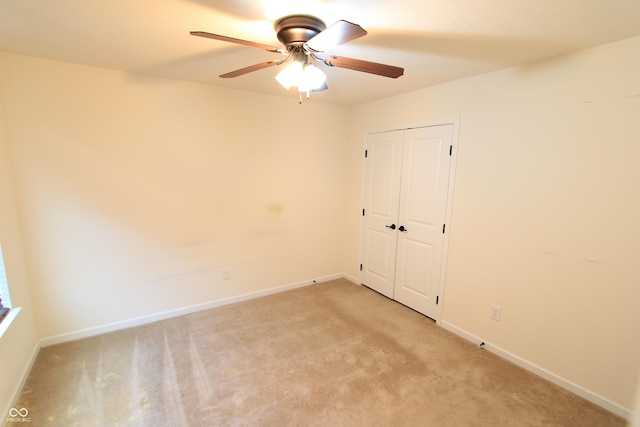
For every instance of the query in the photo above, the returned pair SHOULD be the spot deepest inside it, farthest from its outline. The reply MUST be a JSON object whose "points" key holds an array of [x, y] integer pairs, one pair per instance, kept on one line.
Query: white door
{"points": [[381, 204], [405, 196], [423, 202]]}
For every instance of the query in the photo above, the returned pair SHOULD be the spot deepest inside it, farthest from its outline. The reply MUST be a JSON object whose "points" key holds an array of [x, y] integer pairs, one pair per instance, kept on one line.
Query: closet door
{"points": [[380, 214], [422, 213], [406, 185]]}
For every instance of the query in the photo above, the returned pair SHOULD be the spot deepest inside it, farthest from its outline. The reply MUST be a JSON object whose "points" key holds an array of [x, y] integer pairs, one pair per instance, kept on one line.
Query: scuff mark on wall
{"points": [[545, 252], [275, 209], [554, 254], [591, 261], [179, 274]]}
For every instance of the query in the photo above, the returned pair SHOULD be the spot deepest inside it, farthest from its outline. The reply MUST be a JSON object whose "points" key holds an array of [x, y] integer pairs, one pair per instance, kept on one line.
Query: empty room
{"points": [[319, 213]]}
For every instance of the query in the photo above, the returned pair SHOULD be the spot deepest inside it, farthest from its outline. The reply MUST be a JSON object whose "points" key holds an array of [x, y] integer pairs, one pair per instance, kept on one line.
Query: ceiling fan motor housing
{"points": [[296, 30]]}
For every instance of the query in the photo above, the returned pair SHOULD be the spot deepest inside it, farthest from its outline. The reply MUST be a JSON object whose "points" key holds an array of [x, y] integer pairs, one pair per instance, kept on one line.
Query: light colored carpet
{"points": [[331, 354]]}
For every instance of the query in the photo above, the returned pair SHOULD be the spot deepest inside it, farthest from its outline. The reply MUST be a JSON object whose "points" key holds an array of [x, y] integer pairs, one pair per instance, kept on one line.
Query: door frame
{"points": [[455, 121]]}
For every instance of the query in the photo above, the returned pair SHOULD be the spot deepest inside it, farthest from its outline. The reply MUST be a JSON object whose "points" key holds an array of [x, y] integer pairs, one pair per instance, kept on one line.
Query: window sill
{"points": [[8, 319]]}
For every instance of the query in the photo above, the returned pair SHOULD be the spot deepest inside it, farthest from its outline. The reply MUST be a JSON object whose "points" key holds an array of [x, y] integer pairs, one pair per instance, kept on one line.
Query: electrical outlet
{"points": [[225, 273], [496, 312]]}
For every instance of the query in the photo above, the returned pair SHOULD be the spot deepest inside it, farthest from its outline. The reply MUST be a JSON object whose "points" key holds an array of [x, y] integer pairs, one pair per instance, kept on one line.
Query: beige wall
{"points": [[545, 211], [137, 191], [18, 344]]}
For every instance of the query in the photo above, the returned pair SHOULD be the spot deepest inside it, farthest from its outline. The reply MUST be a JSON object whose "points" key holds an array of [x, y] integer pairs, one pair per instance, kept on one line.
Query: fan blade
{"points": [[236, 41], [337, 34], [249, 69], [364, 66]]}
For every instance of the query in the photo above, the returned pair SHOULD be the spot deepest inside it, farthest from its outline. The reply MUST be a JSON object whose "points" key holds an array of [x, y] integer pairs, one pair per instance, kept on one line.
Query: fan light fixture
{"points": [[299, 73], [306, 77]]}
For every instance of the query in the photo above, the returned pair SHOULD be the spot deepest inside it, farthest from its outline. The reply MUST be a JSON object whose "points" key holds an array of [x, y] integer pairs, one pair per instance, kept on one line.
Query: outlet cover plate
{"points": [[496, 312]]}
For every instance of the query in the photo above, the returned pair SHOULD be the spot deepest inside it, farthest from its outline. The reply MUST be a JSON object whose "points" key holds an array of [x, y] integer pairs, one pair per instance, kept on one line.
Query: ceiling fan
{"points": [[306, 38]]}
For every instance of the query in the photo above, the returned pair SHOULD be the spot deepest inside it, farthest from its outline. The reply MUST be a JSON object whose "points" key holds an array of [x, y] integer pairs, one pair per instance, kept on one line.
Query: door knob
{"points": [[392, 226], [401, 228]]}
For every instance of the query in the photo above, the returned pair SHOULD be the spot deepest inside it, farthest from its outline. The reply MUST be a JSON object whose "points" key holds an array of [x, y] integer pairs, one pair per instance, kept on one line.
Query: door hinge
{"points": [[437, 299], [366, 153], [450, 149], [362, 212], [360, 267], [443, 227]]}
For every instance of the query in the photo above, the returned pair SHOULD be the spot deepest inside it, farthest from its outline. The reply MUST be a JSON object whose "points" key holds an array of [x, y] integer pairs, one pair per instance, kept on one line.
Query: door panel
{"points": [[384, 157], [383, 245], [423, 201], [423, 164], [381, 204], [414, 266]]}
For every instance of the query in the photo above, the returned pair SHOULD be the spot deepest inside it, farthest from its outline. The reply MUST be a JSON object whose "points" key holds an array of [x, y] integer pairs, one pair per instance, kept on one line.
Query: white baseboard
{"points": [[20, 385], [541, 372], [125, 324], [350, 278]]}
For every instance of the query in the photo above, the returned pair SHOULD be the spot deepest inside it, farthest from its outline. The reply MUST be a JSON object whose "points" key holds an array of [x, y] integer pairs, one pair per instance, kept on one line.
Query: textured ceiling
{"points": [[434, 40]]}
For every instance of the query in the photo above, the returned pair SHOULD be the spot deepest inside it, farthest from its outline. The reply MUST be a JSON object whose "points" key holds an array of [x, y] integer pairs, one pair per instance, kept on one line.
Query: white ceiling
{"points": [[434, 40]]}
